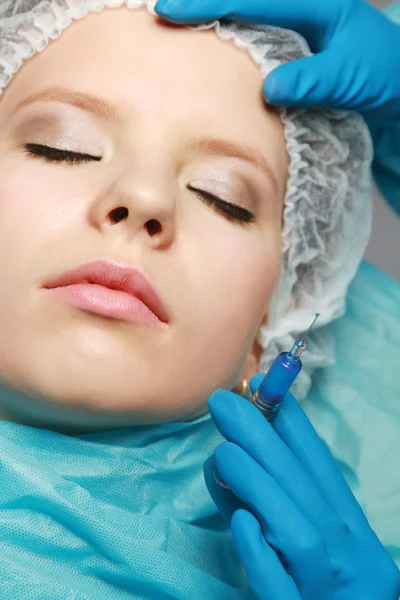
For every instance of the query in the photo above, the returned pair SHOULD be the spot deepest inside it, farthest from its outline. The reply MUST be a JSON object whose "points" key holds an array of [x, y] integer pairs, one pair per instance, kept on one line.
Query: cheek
{"points": [[35, 206], [36, 210], [232, 274], [238, 268], [35, 200], [250, 269], [23, 221]]}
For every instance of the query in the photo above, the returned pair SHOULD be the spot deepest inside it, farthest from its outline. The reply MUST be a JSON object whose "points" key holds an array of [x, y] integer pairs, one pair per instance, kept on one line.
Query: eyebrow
{"points": [[219, 147], [98, 106], [106, 110]]}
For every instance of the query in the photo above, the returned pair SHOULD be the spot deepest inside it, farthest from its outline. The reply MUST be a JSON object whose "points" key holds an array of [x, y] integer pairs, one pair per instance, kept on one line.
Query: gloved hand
{"points": [[298, 529], [356, 65]]}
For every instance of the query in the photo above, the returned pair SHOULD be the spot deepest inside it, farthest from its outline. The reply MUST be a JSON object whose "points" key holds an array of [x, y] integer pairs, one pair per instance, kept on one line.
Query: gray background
{"points": [[384, 247]]}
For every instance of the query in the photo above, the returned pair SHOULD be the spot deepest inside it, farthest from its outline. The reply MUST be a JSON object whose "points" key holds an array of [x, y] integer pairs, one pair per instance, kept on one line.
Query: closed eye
{"points": [[50, 154], [233, 211]]}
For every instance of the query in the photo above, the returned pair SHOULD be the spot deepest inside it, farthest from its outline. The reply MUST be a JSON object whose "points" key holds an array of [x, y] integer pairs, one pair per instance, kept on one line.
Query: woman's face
{"points": [[167, 120]]}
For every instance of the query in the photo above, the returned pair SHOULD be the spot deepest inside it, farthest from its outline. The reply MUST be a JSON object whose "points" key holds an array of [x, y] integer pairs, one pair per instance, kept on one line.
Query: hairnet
{"points": [[327, 215]]}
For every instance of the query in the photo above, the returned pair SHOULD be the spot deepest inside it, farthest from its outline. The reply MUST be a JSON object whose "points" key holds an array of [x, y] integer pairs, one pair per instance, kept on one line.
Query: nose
{"points": [[137, 202]]}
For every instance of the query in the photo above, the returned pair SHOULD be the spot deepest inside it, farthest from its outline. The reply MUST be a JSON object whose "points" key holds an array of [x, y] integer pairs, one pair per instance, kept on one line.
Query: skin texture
{"points": [[77, 371]]}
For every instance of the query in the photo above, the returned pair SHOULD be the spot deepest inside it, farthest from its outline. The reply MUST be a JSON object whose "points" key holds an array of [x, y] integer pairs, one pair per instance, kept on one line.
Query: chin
{"points": [[103, 381], [77, 398]]}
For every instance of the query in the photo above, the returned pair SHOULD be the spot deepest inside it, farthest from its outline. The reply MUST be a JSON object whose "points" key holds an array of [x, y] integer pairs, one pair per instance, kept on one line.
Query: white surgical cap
{"points": [[327, 216]]}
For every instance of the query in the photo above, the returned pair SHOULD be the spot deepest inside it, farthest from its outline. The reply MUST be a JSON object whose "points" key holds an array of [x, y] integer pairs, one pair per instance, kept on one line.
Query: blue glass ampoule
{"points": [[278, 380]]}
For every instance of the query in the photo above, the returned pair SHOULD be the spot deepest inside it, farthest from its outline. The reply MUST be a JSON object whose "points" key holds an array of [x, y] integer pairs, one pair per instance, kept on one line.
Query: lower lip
{"points": [[103, 301]]}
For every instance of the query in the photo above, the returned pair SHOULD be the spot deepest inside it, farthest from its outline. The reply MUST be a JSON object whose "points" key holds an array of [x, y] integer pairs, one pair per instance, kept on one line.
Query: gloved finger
{"points": [[291, 14], [284, 526], [266, 575], [242, 423], [321, 80], [226, 501], [295, 429]]}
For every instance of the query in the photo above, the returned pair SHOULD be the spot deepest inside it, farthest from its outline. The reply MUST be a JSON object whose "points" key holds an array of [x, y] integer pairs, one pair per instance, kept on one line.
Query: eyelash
{"points": [[53, 155], [232, 211]]}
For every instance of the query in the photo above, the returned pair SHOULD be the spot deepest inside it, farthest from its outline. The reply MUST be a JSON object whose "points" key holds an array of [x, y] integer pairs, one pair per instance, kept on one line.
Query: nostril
{"points": [[153, 227], [118, 214]]}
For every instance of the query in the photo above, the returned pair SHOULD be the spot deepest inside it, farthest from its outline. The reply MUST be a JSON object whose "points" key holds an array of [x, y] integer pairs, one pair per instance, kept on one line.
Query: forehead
{"points": [[166, 76]]}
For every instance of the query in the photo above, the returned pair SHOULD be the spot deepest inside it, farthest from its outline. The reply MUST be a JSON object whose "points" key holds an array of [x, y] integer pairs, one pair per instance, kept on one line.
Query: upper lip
{"points": [[115, 276]]}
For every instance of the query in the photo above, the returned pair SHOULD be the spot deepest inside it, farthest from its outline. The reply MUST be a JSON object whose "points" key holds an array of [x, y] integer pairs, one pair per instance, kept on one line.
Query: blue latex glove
{"points": [[356, 65], [299, 530]]}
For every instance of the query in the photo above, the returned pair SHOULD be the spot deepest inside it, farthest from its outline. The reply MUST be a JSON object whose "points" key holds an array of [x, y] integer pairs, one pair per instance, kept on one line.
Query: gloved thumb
{"points": [[309, 81]]}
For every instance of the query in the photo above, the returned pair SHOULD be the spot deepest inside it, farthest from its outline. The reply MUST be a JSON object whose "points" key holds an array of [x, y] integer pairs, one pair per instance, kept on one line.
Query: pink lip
{"points": [[112, 290]]}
